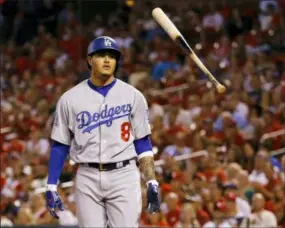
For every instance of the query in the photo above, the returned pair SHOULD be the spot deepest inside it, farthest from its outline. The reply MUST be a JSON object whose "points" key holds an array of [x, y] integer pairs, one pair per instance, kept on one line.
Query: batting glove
{"points": [[53, 202], [153, 203]]}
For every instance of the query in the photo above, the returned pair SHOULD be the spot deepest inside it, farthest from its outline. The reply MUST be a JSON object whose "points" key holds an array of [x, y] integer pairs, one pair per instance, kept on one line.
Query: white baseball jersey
{"points": [[101, 129]]}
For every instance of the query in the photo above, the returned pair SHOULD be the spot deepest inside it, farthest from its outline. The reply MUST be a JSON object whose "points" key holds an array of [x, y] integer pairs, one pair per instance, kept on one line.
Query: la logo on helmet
{"points": [[107, 42]]}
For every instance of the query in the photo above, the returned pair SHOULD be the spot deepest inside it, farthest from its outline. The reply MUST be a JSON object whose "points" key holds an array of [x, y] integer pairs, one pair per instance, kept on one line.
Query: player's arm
{"points": [[142, 131], [59, 151], [60, 145], [58, 155], [142, 143], [143, 148]]}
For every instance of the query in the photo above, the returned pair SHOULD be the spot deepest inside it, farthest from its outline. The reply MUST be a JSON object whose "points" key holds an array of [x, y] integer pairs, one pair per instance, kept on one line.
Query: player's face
{"points": [[103, 63]]}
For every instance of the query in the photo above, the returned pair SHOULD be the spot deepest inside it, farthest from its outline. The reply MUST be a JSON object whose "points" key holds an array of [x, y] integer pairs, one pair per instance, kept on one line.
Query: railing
{"points": [[276, 153], [184, 157], [272, 135], [201, 153], [174, 89], [4, 130], [170, 89]]}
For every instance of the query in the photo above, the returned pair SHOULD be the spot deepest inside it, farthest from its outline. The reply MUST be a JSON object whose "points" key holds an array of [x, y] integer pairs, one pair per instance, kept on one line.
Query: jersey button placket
{"points": [[103, 177]]}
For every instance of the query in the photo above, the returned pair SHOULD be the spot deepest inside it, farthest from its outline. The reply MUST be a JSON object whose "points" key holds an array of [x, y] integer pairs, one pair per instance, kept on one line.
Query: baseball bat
{"points": [[168, 26]]}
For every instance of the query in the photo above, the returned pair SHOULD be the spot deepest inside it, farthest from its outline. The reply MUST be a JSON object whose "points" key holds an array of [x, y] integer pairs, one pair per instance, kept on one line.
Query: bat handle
{"points": [[220, 88]]}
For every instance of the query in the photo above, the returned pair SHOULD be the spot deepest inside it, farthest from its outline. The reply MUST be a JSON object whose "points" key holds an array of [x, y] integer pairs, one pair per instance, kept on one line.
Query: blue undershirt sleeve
{"points": [[143, 145], [57, 158]]}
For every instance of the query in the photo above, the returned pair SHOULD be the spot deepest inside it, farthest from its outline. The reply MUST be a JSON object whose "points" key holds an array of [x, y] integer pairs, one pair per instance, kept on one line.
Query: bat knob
{"points": [[221, 88]]}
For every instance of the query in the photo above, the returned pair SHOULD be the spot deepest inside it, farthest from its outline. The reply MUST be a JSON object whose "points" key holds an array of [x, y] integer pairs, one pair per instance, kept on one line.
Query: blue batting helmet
{"points": [[103, 43]]}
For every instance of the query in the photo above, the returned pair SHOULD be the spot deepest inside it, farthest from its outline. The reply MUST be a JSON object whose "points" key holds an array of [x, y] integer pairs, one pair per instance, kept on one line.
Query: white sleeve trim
{"points": [[145, 154], [61, 141], [154, 182], [51, 187]]}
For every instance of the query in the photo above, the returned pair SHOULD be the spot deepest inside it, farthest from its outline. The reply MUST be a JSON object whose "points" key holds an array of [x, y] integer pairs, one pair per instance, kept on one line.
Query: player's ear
{"points": [[89, 59]]}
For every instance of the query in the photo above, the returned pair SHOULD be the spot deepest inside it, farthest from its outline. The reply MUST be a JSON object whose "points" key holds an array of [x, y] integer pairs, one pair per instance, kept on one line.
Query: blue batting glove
{"points": [[53, 201], [153, 203]]}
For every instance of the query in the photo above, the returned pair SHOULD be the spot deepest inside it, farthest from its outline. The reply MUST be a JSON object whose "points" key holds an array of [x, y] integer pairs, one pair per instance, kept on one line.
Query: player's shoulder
{"points": [[73, 92], [124, 85], [128, 88]]}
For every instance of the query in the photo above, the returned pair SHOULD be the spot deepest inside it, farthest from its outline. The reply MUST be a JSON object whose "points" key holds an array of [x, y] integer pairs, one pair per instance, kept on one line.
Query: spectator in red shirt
{"points": [[24, 62], [271, 124], [212, 170], [220, 215], [173, 209], [207, 133], [240, 151]]}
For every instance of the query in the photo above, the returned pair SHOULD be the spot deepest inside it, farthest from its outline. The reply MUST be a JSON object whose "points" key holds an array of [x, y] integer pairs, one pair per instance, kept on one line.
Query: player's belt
{"points": [[108, 166]]}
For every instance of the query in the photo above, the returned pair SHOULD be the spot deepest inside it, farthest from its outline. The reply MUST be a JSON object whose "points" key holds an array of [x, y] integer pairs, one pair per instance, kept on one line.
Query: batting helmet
{"points": [[103, 43]]}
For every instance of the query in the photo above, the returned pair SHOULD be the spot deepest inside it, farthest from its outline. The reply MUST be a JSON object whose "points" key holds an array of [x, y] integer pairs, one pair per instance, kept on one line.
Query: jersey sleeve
{"points": [[60, 131], [140, 117]]}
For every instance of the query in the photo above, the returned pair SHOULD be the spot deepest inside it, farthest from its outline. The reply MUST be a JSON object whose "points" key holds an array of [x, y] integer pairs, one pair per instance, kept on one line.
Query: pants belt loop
{"points": [[119, 165]]}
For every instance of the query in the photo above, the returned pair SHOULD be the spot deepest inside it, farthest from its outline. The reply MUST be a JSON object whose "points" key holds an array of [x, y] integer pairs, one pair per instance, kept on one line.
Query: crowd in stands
{"points": [[234, 173]]}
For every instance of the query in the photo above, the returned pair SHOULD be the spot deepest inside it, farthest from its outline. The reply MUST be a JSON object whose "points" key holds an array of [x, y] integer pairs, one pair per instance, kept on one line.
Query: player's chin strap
{"points": [[153, 182]]}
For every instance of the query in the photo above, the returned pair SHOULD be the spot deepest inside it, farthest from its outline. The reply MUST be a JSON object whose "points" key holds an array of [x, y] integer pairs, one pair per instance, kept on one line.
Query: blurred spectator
{"points": [[233, 171], [258, 175], [163, 65], [260, 217], [188, 217], [24, 217], [271, 124], [176, 115], [269, 17], [220, 212], [178, 148], [236, 24], [39, 210], [155, 220], [172, 209], [235, 215], [37, 145], [241, 199], [213, 19]]}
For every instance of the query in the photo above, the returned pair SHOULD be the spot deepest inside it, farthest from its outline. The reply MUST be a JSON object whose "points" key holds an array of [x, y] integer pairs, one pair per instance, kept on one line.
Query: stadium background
{"points": [[232, 145]]}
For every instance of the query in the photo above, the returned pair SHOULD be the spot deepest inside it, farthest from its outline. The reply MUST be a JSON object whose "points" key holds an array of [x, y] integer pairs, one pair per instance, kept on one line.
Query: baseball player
{"points": [[102, 123]]}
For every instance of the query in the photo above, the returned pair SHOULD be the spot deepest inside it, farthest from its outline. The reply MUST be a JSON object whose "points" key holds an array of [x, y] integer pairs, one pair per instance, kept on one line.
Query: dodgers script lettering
{"points": [[89, 121]]}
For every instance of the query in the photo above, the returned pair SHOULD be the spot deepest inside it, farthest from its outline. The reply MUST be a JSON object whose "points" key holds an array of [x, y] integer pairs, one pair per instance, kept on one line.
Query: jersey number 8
{"points": [[125, 131]]}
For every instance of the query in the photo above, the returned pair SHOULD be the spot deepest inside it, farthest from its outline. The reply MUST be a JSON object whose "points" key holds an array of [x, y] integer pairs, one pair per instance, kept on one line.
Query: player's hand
{"points": [[153, 203], [53, 201]]}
